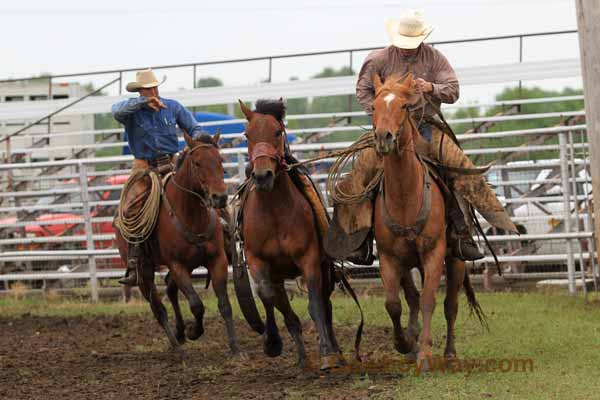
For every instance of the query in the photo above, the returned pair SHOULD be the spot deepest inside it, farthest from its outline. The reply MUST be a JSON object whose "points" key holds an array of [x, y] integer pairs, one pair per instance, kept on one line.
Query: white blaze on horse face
{"points": [[388, 99]]}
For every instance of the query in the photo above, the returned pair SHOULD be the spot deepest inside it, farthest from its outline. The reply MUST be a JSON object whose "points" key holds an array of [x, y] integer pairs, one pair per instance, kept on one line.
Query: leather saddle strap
{"points": [[196, 239], [415, 230]]}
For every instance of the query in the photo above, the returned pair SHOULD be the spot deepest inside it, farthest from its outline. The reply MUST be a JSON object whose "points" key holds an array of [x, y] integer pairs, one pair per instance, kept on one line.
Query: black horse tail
{"points": [[474, 305]]}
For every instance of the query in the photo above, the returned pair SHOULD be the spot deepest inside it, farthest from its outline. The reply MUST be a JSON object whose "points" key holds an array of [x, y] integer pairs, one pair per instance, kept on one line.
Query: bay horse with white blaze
{"points": [[410, 222], [188, 234], [281, 240]]}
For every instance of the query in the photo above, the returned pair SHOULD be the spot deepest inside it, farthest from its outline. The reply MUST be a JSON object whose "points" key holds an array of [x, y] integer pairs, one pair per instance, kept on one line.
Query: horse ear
{"points": [[377, 83], [217, 137], [247, 112], [188, 139]]}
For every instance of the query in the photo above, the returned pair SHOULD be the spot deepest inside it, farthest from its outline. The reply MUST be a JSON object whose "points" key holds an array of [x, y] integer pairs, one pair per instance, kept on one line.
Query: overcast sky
{"points": [[63, 36]]}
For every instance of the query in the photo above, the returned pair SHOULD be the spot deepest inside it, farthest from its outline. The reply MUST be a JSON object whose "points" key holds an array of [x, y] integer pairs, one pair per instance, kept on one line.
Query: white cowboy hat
{"points": [[143, 80], [409, 31]]}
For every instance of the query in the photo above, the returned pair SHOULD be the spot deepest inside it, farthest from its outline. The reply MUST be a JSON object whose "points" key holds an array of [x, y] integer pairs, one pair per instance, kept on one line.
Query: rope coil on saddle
{"points": [[138, 228]]}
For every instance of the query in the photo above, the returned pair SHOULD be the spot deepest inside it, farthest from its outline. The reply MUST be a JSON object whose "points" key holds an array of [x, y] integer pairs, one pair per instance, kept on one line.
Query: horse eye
{"points": [[278, 133]]}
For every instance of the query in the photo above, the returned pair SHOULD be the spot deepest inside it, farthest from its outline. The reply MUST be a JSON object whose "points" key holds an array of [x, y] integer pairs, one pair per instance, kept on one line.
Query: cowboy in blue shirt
{"points": [[152, 125]]}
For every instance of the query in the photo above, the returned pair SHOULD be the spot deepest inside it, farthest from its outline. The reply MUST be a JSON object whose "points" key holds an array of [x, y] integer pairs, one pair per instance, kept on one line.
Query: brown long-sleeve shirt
{"points": [[429, 64]]}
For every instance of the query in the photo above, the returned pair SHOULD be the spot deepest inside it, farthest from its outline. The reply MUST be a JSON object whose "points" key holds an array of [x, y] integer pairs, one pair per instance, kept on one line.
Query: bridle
{"points": [[265, 149], [202, 194], [407, 116]]}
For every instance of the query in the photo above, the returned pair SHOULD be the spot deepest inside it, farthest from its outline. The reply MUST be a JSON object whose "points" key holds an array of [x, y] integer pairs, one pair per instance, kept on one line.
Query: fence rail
{"points": [[550, 196]]}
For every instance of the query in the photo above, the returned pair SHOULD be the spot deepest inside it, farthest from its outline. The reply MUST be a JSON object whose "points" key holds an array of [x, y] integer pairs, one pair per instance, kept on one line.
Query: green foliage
{"points": [[515, 93], [208, 82]]}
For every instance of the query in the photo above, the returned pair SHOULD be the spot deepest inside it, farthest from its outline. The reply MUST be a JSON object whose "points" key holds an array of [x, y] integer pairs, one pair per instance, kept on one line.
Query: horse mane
{"points": [[205, 138], [395, 84], [274, 108]]}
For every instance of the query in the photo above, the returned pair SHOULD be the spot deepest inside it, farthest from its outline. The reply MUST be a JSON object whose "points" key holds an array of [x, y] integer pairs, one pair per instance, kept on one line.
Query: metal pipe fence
{"points": [[559, 238]]}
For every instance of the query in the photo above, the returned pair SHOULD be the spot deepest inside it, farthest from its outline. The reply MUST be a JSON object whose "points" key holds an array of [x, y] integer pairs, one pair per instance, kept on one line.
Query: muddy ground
{"points": [[123, 356]]}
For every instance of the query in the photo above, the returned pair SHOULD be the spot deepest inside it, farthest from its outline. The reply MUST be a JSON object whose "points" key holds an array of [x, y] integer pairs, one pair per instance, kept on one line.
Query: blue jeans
{"points": [[425, 131]]}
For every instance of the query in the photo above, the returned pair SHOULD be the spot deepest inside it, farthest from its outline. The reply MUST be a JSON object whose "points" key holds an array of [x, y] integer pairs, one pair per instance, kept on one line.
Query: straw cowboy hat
{"points": [[408, 31], [144, 80]]}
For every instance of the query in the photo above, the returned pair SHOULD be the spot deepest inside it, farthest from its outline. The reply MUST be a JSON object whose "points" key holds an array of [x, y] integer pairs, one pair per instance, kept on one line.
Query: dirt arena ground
{"points": [[124, 357], [76, 350]]}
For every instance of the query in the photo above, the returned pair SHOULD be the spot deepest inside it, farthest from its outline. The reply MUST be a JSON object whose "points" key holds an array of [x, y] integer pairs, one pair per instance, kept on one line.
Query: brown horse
{"points": [[410, 222], [281, 239], [188, 234]]}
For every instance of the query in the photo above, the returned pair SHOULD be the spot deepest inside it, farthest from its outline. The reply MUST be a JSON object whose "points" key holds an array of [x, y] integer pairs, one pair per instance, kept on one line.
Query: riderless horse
{"points": [[281, 239]]}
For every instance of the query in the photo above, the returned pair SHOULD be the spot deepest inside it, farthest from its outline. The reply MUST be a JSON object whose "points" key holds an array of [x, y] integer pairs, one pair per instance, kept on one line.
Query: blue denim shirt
{"points": [[154, 133]]}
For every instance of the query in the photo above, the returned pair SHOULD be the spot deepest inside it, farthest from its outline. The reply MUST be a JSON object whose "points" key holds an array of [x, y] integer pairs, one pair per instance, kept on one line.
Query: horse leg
{"points": [[311, 269], [183, 279], [455, 273], [173, 295], [411, 294], [433, 265], [272, 344], [329, 316], [150, 293], [292, 322], [218, 273], [391, 276]]}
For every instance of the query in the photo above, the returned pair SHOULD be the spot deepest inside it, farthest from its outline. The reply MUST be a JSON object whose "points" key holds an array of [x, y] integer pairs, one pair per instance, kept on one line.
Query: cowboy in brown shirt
{"points": [[437, 81]]}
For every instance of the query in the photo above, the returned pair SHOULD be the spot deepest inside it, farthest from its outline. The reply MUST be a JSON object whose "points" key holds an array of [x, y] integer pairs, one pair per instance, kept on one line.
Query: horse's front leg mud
{"points": [[272, 343], [433, 266], [150, 293], [292, 322], [183, 280], [219, 283], [330, 358], [173, 295]]}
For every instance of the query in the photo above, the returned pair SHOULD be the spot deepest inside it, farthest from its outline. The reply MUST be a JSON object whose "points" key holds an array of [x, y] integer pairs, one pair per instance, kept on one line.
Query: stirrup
{"points": [[467, 250], [131, 276], [364, 254]]}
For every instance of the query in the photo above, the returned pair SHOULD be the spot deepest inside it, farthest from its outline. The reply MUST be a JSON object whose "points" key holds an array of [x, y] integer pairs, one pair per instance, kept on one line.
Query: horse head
{"points": [[264, 132], [202, 163], [391, 111]]}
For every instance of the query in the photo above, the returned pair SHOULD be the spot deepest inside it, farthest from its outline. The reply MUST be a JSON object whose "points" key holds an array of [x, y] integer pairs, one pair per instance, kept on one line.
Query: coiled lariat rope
{"points": [[138, 228], [336, 193], [336, 171]]}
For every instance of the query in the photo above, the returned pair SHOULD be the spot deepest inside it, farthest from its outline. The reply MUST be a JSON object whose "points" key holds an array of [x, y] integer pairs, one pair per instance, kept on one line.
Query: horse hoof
{"points": [[450, 355], [331, 361], [180, 336], [424, 364], [273, 346], [194, 331], [411, 357], [341, 361], [239, 356], [403, 346]]}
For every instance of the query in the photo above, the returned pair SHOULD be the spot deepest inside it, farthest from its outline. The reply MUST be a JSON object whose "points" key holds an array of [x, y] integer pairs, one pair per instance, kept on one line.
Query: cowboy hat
{"points": [[409, 31], [144, 80]]}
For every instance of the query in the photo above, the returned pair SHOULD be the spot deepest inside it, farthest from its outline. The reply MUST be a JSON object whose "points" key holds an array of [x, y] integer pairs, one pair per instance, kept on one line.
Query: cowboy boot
{"points": [[464, 247], [133, 257], [364, 254]]}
